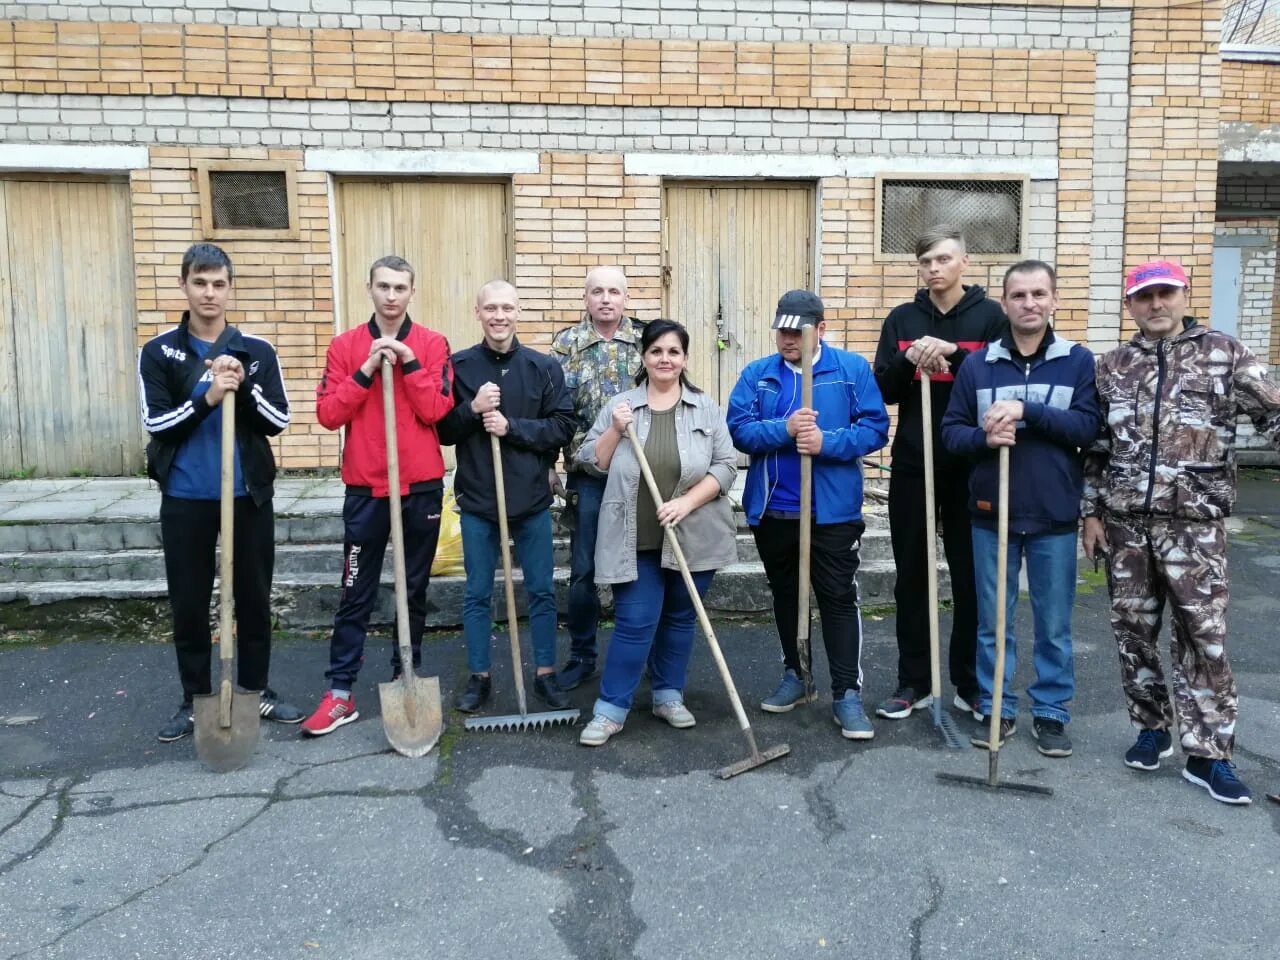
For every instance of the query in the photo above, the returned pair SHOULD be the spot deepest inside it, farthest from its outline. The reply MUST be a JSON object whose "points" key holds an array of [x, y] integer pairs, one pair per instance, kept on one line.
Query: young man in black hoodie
{"points": [[934, 333], [510, 391]]}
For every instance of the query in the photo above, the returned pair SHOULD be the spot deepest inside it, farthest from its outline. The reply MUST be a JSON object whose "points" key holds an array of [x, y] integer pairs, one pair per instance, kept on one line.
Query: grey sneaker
{"points": [[788, 694], [981, 738], [598, 731], [1051, 737], [853, 721], [903, 703], [273, 708], [675, 713]]}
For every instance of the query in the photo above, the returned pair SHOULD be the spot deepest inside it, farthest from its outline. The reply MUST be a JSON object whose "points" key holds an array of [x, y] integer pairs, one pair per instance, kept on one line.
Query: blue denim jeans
{"points": [[1051, 577], [653, 626], [480, 558], [584, 602]]}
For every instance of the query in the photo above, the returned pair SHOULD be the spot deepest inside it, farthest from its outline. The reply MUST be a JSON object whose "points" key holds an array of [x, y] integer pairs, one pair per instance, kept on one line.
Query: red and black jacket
{"points": [[347, 398], [971, 324]]}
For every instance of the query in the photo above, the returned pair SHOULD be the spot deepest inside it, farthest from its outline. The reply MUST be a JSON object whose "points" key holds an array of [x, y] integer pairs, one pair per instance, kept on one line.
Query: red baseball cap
{"points": [[1157, 273]]}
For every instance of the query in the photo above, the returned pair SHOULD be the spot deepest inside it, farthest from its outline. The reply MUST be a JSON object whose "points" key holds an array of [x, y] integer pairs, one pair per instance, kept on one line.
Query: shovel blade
{"points": [[226, 748], [412, 714], [753, 761]]}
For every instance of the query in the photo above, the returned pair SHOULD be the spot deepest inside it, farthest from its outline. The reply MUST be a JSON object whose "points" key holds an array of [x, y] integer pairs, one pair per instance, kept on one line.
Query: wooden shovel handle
{"points": [[807, 346], [513, 632], [931, 534], [227, 530], [397, 524], [1002, 561]]}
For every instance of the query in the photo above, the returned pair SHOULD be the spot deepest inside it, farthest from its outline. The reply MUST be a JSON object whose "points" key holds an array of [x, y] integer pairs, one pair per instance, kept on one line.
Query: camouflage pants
{"points": [[1184, 562]]}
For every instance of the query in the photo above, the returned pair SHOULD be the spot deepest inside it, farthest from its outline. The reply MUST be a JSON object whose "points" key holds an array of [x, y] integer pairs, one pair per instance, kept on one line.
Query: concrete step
{"points": [[292, 557], [309, 600]]}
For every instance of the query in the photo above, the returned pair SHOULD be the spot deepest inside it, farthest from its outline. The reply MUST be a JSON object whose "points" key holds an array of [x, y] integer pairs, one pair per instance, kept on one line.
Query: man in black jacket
{"points": [[935, 332], [184, 375], [535, 420]]}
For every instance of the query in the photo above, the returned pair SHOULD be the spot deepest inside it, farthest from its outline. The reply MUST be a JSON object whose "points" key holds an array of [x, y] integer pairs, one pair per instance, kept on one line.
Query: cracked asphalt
{"points": [[498, 845]]}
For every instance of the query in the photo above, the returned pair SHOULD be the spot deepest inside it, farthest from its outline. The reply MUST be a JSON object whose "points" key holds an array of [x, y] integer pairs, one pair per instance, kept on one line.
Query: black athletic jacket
{"points": [[168, 371], [540, 419], [971, 324]]}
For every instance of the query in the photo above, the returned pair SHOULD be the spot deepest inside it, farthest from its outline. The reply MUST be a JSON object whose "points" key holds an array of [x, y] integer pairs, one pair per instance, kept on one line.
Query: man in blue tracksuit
{"points": [[1033, 392], [847, 421]]}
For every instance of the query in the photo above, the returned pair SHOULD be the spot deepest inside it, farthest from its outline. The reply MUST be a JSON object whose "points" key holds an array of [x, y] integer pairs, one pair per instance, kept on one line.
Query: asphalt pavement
{"points": [[113, 845]]}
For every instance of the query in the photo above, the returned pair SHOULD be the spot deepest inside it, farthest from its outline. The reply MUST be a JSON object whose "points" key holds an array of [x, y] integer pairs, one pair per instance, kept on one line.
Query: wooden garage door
{"points": [[453, 233], [68, 350], [730, 250]]}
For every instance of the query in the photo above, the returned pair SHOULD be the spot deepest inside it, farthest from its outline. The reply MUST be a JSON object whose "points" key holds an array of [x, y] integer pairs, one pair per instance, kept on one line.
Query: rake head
{"points": [[517, 722], [946, 724]]}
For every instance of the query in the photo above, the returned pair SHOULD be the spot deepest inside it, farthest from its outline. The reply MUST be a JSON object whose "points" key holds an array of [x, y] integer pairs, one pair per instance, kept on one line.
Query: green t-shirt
{"points": [[662, 450]]}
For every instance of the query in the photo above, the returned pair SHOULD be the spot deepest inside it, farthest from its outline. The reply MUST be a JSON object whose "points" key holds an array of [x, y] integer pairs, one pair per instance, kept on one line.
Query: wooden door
{"points": [[730, 251], [68, 386], [453, 233]]}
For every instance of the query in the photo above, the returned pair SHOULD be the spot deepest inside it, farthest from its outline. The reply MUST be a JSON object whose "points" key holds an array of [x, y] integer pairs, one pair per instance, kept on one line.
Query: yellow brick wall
{"points": [[1250, 92], [283, 289]]}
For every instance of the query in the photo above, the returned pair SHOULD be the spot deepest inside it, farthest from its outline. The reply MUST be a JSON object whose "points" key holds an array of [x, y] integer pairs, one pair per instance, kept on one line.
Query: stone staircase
{"points": [[86, 548]]}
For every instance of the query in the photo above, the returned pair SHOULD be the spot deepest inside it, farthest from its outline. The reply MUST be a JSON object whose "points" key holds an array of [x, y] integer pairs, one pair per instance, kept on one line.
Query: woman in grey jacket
{"points": [[687, 444]]}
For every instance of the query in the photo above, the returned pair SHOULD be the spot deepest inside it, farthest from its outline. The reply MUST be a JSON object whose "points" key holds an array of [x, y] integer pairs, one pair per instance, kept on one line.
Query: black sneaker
{"points": [[475, 696], [1051, 737], [1219, 778], [273, 708], [577, 671], [547, 689], [181, 724], [903, 703], [1008, 727], [1151, 747]]}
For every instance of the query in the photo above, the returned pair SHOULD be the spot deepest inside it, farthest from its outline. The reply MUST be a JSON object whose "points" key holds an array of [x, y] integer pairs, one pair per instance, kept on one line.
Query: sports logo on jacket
{"points": [[173, 354]]}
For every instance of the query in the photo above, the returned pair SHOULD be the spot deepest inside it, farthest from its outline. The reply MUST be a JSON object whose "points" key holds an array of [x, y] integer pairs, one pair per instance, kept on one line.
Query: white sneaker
{"points": [[675, 713], [598, 731]]}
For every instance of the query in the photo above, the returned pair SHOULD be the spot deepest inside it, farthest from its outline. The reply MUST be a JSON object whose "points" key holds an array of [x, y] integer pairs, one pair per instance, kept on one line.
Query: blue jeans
{"points": [[654, 626], [584, 602], [480, 545], [1051, 577]]}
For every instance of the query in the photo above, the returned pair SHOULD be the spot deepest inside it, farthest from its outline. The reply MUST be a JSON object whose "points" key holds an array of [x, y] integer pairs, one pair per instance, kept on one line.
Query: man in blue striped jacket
{"points": [[1031, 391]]}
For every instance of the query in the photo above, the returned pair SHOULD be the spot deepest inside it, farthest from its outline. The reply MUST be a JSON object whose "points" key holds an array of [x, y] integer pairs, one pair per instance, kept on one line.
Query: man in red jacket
{"points": [[350, 395]]}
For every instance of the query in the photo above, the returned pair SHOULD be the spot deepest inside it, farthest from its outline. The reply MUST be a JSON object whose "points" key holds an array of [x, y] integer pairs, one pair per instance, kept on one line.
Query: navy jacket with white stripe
{"points": [[1061, 417], [166, 364]]}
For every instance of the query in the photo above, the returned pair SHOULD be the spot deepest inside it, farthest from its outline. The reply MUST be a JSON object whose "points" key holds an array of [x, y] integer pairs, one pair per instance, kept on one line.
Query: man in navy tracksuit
{"points": [[184, 375], [1033, 392], [847, 421], [517, 394]]}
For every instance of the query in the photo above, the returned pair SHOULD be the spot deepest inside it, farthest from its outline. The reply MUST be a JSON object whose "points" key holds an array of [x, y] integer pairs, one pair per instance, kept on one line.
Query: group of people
{"points": [[1140, 443]]}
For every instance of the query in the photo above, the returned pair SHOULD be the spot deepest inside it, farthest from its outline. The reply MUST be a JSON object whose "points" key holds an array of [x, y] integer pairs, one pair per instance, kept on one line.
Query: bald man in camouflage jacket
{"points": [[1159, 484]]}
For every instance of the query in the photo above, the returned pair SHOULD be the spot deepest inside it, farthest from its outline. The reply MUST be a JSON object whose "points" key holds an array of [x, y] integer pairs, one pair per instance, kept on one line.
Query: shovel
{"points": [[803, 653], [942, 720], [227, 721], [757, 757], [992, 780], [524, 720], [412, 715]]}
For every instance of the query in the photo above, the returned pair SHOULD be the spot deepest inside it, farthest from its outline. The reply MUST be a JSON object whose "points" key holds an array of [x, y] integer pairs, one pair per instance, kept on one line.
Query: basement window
{"points": [[248, 200], [989, 210]]}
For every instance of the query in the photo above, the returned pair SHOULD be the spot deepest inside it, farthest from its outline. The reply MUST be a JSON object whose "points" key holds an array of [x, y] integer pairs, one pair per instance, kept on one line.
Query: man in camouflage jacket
{"points": [[600, 357], [1159, 484]]}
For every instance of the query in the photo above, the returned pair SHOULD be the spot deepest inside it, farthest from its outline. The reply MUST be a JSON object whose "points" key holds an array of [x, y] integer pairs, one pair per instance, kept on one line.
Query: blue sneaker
{"points": [[788, 694], [1151, 747], [848, 712], [1219, 778]]}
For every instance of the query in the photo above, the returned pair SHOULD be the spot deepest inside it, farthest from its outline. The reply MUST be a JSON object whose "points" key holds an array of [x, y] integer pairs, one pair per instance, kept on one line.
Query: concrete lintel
{"points": [[1037, 168], [738, 166], [450, 162], [69, 158], [1250, 52]]}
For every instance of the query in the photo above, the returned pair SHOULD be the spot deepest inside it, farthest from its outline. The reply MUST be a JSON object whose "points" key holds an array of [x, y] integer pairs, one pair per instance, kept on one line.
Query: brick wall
{"points": [[1250, 92], [1114, 110]]}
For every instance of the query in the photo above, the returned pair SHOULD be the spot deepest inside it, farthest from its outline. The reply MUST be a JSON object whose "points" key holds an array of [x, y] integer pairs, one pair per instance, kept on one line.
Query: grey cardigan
{"points": [[707, 535]]}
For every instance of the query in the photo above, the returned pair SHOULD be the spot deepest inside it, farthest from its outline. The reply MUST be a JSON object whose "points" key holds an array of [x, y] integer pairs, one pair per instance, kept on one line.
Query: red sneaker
{"points": [[330, 715]]}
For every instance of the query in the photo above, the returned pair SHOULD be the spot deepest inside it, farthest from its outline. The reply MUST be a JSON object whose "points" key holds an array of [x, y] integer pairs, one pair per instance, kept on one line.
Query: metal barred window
{"points": [[248, 199], [1251, 22], [989, 210]]}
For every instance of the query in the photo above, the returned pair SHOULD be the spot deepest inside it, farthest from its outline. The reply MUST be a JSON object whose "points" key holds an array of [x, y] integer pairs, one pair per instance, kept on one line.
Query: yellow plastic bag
{"points": [[448, 560]]}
